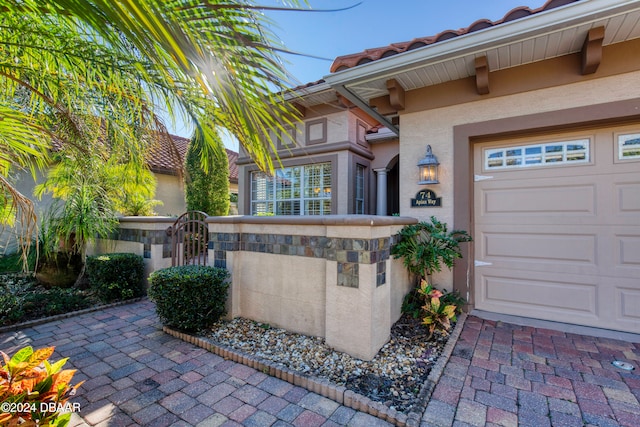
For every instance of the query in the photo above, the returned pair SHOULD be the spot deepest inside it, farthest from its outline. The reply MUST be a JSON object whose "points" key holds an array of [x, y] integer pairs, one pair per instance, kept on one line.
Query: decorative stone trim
{"points": [[348, 275], [381, 273], [348, 253], [343, 250], [147, 238], [327, 389]]}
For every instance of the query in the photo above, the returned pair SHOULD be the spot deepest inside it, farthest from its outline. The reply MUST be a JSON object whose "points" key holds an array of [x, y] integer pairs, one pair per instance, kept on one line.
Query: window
{"points": [[298, 190], [359, 190], [538, 155], [629, 147]]}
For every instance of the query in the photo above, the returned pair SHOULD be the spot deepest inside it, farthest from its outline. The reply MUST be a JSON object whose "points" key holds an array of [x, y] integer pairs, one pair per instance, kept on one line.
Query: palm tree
{"points": [[72, 70]]}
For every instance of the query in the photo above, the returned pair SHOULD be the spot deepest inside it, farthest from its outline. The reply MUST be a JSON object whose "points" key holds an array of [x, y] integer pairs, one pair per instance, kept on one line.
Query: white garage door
{"points": [[557, 227]]}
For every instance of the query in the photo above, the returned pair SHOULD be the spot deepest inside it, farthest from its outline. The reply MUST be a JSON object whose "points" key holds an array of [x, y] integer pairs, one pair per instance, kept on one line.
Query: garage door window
{"points": [[629, 147], [548, 154]]}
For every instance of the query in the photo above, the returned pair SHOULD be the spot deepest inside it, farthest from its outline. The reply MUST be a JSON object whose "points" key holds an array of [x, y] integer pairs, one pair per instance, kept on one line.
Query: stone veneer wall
{"points": [[347, 252], [329, 276]]}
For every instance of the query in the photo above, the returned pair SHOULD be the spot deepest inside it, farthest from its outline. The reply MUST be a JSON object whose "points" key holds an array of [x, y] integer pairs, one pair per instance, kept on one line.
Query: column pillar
{"points": [[381, 205]]}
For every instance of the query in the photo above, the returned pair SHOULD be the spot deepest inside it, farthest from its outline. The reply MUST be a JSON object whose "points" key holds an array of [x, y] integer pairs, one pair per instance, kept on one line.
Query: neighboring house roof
{"points": [[168, 160], [369, 55]]}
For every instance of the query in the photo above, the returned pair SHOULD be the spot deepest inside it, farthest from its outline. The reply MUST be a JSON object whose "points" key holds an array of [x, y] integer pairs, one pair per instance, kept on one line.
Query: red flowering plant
{"points": [[34, 391]]}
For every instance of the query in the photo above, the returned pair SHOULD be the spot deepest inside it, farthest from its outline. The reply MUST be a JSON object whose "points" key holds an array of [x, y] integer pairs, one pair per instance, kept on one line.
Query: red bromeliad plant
{"points": [[34, 391]]}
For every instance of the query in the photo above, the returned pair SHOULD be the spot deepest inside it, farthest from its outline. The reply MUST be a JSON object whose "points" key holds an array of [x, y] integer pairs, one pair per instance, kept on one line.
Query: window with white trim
{"points": [[548, 154], [629, 147], [298, 190], [359, 190]]}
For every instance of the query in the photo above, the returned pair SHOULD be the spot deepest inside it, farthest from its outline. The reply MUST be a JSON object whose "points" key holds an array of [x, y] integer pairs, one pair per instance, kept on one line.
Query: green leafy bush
{"points": [[424, 247], [190, 297], [13, 263], [10, 307], [116, 277], [22, 299]]}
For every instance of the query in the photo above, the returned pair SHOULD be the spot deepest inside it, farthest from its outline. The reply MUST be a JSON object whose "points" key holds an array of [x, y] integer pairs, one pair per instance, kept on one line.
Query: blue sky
{"points": [[374, 23], [370, 24]]}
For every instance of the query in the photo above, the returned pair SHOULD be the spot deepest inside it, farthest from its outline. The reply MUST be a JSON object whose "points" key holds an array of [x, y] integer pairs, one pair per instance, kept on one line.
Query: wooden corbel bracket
{"points": [[592, 50], [482, 75]]}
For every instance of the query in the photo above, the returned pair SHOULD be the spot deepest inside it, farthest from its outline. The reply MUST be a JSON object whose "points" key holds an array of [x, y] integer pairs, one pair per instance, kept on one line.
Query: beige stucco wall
{"points": [[436, 127], [337, 127], [384, 153], [284, 291], [170, 191]]}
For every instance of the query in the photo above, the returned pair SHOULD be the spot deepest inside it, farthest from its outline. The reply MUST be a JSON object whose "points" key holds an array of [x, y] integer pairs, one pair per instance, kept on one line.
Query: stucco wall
{"points": [[436, 127], [170, 191]]}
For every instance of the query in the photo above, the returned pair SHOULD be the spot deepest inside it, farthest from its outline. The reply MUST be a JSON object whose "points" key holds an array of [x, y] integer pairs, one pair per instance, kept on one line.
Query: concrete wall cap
{"points": [[148, 219], [327, 220]]}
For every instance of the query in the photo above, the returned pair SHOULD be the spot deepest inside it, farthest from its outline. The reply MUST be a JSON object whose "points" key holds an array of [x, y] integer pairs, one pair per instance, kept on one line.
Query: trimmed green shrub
{"points": [[190, 297], [116, 277], [206, 189]]}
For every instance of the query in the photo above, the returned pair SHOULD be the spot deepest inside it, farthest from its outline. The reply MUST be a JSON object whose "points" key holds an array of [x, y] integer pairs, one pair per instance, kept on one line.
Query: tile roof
{"points": [[370, 55], [165, 159]]}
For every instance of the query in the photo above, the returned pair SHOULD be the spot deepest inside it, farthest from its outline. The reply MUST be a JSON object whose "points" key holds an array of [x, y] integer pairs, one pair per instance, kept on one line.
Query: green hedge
{"points": [[191, 297], [116, 277]]}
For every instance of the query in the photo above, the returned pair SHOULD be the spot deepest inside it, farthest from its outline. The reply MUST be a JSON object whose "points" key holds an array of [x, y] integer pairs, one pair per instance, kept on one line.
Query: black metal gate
{"points": [[190, 239]]}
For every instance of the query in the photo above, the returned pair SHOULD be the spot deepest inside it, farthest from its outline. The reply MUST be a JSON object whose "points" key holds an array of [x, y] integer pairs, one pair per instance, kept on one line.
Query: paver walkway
{"points": [[138, 375], [499, 375], [502, 374]]}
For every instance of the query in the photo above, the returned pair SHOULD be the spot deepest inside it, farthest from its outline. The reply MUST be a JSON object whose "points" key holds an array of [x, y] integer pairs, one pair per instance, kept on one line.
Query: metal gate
{"points": [[190, 239]]}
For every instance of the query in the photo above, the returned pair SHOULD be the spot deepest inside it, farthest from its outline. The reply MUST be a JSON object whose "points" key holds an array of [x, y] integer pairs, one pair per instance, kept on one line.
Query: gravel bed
{"points": [[394, 377]]}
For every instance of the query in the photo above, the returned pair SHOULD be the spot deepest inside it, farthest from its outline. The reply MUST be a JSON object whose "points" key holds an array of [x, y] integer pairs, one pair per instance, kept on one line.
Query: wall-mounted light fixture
{"points": [[428, 168]]}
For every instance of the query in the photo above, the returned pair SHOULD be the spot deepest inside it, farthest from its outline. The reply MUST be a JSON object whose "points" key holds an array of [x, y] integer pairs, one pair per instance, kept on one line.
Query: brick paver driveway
{"points": [[499, 375], [502, 374]]}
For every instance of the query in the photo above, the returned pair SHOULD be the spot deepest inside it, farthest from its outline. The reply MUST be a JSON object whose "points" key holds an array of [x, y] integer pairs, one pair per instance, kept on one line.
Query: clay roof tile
{"points": [[370, 55]]}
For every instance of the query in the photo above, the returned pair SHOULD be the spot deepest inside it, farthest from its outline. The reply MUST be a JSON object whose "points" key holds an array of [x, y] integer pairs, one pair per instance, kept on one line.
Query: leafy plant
{"points": [[13, 262], [424, 247], [190, 297], [414, 300], [437, 314], [35, 388], [22, 299], [117, 276]]}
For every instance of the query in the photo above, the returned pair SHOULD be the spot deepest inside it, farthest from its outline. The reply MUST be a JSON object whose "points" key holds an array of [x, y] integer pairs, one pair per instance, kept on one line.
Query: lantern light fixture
{"points": [[428, 168]]}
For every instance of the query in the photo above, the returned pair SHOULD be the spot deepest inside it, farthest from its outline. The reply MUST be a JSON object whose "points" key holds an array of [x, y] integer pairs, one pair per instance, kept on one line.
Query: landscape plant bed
{"points": [[24, 302], [394, 386]]}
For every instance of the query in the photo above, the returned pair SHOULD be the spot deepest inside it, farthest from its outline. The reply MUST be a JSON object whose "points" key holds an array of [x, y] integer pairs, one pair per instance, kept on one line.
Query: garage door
{"points": [[557, 227]]}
